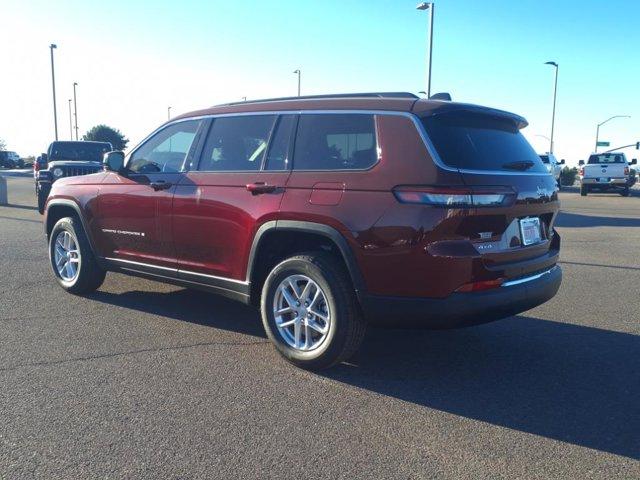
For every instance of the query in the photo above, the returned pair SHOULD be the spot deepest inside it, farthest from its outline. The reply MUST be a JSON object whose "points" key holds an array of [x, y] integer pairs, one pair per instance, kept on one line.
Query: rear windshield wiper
{"points": [[522, 165]]}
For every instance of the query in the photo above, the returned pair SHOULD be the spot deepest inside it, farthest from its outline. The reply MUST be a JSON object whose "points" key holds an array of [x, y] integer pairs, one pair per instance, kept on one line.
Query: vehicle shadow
{"points": [[576, 220], [567, 382], [191, 306]]}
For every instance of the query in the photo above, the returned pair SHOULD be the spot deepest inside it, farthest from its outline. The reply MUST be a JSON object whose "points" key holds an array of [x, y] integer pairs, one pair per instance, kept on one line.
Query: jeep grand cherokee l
{"points": [[328, 213]]}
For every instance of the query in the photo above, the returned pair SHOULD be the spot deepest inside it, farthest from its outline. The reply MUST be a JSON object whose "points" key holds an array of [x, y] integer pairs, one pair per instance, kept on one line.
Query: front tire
{"points": [[72, 260], [310, 311], [42, 193]]}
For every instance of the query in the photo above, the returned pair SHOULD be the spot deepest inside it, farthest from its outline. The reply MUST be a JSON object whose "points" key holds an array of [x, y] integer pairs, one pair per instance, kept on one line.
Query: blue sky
{"points": [[133, 59]]}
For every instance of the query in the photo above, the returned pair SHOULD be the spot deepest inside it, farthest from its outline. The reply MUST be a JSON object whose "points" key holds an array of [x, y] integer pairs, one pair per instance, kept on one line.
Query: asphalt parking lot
{"points": [[148, 380]]}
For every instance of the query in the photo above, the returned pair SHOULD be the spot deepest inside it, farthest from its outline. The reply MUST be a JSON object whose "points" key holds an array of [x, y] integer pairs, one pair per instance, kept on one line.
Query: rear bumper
{"points": [[617, 182], [464, 309]]}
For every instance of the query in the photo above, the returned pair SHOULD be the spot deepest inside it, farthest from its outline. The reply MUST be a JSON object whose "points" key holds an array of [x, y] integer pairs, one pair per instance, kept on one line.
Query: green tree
{"points": [[3, 145], [104, 133], [568, 176]]}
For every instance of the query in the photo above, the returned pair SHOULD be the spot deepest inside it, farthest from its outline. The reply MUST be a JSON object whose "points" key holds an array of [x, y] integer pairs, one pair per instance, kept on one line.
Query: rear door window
{"points": [[473, 141], [335, 142]]}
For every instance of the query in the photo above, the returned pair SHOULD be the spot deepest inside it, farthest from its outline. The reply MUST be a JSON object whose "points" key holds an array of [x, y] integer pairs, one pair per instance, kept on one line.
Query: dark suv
{"points": [[328, 213], [66, 159]]}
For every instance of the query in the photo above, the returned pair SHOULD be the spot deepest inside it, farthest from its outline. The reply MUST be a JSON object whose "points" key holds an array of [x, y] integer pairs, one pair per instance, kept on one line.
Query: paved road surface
{"points": [[148, 380]]}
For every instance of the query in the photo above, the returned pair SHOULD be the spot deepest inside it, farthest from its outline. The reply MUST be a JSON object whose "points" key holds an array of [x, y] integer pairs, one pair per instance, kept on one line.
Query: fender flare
{"points": [[310, 227], [69, 203]]}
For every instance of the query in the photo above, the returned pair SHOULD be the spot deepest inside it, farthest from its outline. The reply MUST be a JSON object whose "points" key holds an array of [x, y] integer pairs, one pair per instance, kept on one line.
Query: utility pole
{"points": [[53, 84], [432, 11], [75, 107], [70, 122], [553, 116], [168, 113], [299, 75]]}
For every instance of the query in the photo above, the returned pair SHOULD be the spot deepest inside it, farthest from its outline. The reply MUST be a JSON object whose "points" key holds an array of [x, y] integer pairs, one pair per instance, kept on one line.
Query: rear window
{"points": [[78, 151], [606, 158], [479, 142], [335, 142]]}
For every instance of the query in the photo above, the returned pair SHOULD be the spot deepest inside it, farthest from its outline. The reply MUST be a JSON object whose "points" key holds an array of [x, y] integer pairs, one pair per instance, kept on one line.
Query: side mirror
{"points": [[113, 161], [562, 162], [581, 162], [634, 161]]}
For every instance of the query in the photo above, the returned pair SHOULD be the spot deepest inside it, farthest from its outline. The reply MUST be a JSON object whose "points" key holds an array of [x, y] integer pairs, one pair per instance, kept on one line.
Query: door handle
{"points": [[258, 188], [160, 185]]}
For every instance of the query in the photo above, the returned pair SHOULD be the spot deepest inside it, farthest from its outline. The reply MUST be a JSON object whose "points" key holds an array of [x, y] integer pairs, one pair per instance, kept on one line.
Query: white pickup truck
{"points": [[605, 171]]}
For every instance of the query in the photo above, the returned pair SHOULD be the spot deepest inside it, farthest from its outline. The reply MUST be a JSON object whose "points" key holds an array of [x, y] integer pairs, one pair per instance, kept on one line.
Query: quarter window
{"points": [[237, 143], [167, 150], [335, 142]]}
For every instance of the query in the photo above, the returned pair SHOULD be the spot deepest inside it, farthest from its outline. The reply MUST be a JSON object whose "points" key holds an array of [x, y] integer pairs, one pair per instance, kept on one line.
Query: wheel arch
{"points": [[61, 208], [309, 233]]}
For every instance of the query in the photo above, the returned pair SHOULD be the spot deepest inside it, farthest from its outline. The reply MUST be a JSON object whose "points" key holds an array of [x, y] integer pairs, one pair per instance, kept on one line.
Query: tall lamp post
{"points": [[70, 122], [431, 7], [299, 75], [553, 115], [602, 123], [75, 107], [53, 84], [168, 113]]}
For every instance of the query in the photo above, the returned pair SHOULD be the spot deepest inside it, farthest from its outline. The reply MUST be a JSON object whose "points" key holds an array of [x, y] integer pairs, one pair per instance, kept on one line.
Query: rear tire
{"points": [[584, 190], [79, 272], [326, 342], [625, 192]]}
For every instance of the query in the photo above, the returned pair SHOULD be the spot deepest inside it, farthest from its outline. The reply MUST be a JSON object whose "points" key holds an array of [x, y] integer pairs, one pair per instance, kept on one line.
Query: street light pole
{"points": [[555, 94], [75, 107], [432, 11], [168, 113], [299, 75], [53, 84], [602, 123], [70, 122]]}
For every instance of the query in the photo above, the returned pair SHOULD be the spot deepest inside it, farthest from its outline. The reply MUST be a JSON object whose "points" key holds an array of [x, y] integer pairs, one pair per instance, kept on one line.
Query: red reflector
{"points": [[479, 286]]}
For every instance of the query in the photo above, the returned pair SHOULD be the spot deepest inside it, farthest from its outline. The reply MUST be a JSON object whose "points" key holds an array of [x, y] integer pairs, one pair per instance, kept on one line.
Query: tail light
{"points": [[36, 166], [626, 170], [581, 172], [456, 197]]}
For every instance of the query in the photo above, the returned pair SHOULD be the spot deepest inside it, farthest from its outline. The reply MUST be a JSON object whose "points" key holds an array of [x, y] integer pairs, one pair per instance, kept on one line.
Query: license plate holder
{"points": [[530, 231]]}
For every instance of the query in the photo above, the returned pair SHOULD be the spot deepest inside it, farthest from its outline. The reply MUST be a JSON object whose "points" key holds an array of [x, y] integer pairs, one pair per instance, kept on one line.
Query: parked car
{"points": [[553, 165], [328, 213], [605, 172], [66, 159], [10, 159]]}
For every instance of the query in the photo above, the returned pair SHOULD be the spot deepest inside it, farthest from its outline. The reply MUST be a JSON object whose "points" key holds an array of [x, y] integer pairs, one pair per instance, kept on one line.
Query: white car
{"points": [[554, 167], [605, 171]]}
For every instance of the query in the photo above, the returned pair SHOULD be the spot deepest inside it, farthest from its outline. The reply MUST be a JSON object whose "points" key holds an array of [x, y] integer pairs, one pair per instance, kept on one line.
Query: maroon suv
{"points": [[327, 212]]}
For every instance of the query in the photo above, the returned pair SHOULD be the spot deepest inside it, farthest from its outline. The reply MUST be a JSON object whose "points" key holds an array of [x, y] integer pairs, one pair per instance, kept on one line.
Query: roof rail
{"points": [[334, 95]]}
